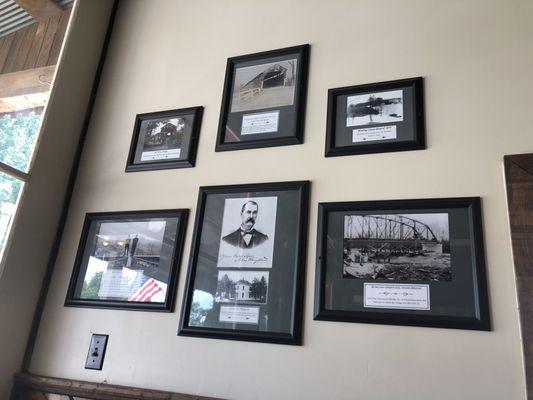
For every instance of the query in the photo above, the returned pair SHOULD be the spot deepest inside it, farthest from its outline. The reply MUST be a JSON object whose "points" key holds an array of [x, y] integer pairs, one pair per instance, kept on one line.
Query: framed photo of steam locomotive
{"points": [[402, 262], [263, 103], [128, 260], [165, 139], [375, 118]]}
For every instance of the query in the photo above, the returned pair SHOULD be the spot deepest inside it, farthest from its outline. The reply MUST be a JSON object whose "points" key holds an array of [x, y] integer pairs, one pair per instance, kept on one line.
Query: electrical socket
{"points": [[95, 356]]}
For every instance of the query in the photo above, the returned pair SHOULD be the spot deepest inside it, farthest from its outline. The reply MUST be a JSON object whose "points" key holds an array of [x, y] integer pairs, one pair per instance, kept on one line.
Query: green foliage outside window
{"points": [[18, 133]]}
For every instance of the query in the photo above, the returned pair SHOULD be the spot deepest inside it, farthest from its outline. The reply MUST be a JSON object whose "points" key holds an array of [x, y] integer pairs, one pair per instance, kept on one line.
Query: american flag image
{"points": [[148, 290]]}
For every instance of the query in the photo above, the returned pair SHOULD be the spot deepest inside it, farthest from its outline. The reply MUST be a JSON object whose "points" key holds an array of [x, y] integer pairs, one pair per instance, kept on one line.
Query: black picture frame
{"points": [[294, 294], [290, 118], [409, 132], [188, 161], [467, 269], [72, 300]]}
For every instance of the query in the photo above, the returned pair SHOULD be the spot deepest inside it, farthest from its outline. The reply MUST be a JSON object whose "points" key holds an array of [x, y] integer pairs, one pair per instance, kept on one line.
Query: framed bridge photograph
{"points": [[375, 118], [402, 262], [246, 269], [165, 139], [263, 103], [128, 260]]}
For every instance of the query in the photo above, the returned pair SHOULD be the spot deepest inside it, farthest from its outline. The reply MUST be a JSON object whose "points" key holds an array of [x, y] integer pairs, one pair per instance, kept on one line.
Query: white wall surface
{"points": [[477, 60], [36, 222]]}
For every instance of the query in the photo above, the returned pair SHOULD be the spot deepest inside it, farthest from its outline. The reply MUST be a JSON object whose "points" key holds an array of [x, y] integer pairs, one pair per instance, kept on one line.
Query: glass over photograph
{"points": [[405, 262], [400, 247], [264, 99], [126, 260], [374, 108], [264, 86], [248, 233], [246, 263], [165, 139], [375, 117], [125, 265]]}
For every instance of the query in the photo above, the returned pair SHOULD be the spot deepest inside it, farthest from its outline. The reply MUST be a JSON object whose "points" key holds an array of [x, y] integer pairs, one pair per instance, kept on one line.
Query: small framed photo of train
{"points": [[402, 262], [375, 118], [263, 103], [165, 139], [128, 260], [246, 270]]}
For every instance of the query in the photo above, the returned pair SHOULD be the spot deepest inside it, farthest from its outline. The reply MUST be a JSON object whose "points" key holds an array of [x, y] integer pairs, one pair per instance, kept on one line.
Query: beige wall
{"points": [[37, 220], [476, 57]]}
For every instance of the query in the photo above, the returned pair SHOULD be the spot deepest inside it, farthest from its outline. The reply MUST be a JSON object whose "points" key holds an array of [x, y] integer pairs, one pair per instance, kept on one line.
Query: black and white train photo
{"points": [[374, 108], [263, 86], [398, 247], [242, 287]]}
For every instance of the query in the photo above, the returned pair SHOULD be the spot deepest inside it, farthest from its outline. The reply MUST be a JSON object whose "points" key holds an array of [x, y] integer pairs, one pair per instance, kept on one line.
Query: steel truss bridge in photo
{"points": [[394, 233]]}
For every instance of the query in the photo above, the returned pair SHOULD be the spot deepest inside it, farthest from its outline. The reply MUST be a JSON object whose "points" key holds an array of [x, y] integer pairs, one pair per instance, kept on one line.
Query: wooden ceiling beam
{"points": [[40, 9], [19, 83]]}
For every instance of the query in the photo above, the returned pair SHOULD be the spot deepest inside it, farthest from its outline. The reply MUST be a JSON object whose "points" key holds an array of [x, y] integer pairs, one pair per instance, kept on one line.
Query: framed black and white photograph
{"points": [[165, 139], [263, 103], [375, 118], [246, 269], [402, 262], [128, 260]]}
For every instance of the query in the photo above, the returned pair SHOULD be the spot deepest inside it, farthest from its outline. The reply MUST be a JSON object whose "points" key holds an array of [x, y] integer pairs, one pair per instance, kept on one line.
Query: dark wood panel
{"points": [[5, 46], [519, 181], [29, 387], [58, 39], [13, 50], [26, 82], [48, 40], [36, 45], [27, 36]]}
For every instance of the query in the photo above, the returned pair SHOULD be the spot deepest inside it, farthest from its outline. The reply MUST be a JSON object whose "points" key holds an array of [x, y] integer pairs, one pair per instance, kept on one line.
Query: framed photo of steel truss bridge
{"points": [[376, 118], [402, 262], [128, 260], [263, 103]]}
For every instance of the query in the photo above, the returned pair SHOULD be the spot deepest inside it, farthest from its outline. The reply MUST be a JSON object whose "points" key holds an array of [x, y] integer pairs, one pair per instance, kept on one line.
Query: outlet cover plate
{"points": [[95, 356]]}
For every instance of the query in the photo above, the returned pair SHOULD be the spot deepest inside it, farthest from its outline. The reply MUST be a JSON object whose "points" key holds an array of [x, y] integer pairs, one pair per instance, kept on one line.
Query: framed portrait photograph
{"points": [[246, 269], [128, 260], [165, 139], [376, 118], [402, 262], [263, 103]]}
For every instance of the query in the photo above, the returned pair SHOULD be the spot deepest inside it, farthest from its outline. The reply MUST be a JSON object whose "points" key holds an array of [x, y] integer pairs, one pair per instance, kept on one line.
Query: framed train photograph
{"points": [[263, 103], [128, 260], [246, 269], [165, 139], [375, 118], [403, 262]]}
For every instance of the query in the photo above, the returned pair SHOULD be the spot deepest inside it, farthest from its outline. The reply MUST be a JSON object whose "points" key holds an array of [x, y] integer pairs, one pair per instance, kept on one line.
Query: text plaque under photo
{"points": [[375, 118], [246, 269], [263, 103], [165, 139], [402, 262], [128, 260]]}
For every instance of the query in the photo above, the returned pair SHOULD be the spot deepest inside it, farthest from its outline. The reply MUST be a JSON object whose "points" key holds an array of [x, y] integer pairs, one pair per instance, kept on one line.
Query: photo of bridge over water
{"points": [[397, 247]]}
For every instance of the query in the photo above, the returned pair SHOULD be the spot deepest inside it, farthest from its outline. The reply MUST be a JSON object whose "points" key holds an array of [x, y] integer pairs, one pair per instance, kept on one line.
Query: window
{"points": [[19, 129], [30, 43]]}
